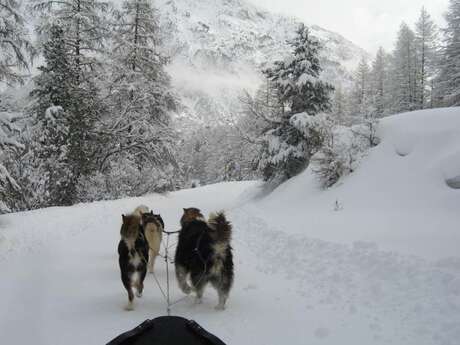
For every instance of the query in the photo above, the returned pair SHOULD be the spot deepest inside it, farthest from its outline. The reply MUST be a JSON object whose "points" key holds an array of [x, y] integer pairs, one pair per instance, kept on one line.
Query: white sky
{"points": [[368, 23]]}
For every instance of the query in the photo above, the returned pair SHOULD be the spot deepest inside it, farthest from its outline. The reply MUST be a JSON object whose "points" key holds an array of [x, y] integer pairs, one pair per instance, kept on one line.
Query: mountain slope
{"points": [[219, 46]]}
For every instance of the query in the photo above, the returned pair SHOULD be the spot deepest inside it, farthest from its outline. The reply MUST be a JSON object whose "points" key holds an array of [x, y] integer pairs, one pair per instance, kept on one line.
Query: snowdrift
{"points": [[405, 196]]}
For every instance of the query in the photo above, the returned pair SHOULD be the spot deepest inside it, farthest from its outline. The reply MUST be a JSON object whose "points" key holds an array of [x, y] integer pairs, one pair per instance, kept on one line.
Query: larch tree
{"points": [[449, 78], [426, 46], [140, 95], [379, 82], [404, 71], [16, 50]]}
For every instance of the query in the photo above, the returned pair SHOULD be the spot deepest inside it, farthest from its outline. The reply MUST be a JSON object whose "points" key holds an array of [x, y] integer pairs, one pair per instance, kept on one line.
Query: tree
{"points": [[449, 78], [84, 33], [362, 91], [297, 77], [140, 97], [140, 93], [8, 185], [362, 82], [84, 29], [426, 46], [404, 71], [15, 47], [379, 82], [55, 101], [287, 149]]}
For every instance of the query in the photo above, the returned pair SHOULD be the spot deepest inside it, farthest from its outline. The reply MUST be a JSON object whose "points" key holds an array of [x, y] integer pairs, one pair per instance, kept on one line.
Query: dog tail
{"points": [[140, 210], [221, 226]]}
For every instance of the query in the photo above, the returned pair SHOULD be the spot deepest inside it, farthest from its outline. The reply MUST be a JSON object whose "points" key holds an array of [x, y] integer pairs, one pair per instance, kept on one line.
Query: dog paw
{"points": [[129, 307], [187, 290], [198, 300], [138, 294], [219, 307]]}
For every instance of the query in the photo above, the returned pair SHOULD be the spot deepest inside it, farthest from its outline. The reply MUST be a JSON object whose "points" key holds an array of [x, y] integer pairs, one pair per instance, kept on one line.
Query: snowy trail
{"points": [[60, 281]]}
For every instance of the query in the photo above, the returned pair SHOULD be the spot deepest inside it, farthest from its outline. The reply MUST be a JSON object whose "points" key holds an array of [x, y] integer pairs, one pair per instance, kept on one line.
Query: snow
{"points": [[225, 44], [398, 198], [383, 268]]}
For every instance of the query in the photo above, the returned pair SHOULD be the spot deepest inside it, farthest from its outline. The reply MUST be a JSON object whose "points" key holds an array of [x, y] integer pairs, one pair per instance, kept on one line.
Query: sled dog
{"points": [[153, 229], [204, 254], [153, 226], [133, 253]]}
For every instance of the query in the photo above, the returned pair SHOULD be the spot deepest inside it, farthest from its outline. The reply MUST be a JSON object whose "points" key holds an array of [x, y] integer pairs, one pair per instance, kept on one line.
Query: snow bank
{"points": [[405, 196], [31, 231]]}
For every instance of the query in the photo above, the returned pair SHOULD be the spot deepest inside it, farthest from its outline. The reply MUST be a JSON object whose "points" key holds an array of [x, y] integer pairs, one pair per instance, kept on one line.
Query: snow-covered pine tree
{"points": [[426, 46], [287, 149], [297, 77], [404, 71], [84, 34], [9, 188], [340, 105], [449, 78], [54, 102], [362, 91], [379, 82], [140, 96], [15, 47]]}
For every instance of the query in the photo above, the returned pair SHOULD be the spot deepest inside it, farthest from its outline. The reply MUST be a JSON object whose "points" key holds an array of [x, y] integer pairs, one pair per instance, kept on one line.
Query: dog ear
{"points": [[158, 216], [151, 212], [123, 217], [185, 210]]}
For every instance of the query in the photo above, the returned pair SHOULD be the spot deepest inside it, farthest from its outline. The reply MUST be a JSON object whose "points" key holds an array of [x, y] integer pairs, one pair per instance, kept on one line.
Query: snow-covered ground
{"points": [[384, 269]]}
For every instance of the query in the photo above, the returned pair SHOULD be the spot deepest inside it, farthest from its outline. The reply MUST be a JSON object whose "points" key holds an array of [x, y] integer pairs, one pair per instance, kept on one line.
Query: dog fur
{"points": [[132, 251], [204, 254], [153, 229], [140, 210]]}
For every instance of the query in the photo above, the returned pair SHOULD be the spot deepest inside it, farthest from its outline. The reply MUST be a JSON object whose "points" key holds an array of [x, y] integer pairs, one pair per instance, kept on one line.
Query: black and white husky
{"points": [[204, 254], [133, 251]]}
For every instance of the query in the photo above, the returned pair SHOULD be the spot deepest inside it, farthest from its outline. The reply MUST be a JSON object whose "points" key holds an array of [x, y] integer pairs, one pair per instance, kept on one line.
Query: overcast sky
{"points": [[368, 23]]}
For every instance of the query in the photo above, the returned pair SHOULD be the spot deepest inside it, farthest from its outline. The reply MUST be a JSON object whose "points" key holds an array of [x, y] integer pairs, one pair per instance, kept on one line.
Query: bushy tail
{"points": [[221, 226], [140, 210]]}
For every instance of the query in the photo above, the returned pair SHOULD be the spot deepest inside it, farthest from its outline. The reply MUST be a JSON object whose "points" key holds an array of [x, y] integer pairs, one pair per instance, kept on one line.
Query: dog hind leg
{"points": [[199, 282], [222, 285], [181, 275], [152, 257], [126, 280], [140, 283]]}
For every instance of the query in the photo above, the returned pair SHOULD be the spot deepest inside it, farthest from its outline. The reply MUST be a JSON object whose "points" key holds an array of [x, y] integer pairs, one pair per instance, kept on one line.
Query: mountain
{"points": [[219, 46]]}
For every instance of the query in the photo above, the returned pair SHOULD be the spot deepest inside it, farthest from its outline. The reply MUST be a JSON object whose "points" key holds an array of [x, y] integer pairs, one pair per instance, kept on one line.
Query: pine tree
{"points": [[361, 93], [8, 185], [55, 99], [341, 105], [297, 78], [426, 45], [379, 82], [84, 35], [287, 148], [449, 79], [15, 47], [404, 71]]}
